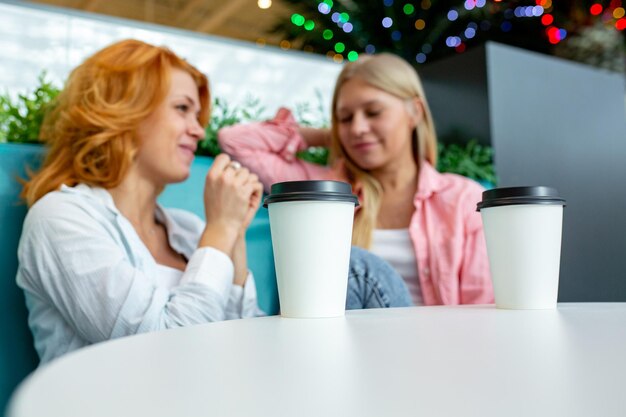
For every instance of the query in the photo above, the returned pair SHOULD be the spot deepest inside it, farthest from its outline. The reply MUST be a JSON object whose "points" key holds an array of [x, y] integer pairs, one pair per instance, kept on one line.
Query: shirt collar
{"points": [[430, 181], [92, 192]]}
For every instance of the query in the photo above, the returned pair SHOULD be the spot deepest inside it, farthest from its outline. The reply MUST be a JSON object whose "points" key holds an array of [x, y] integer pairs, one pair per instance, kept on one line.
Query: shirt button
{"points": [[426, 271]]}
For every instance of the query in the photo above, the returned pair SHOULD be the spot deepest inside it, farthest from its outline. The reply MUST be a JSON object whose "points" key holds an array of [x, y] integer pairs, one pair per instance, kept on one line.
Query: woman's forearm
{"points": [[314, 136]]}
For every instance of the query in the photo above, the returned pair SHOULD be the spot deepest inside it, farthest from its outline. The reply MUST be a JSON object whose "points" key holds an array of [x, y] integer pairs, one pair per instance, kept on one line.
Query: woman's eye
{"points": [[182, 107], [373, 113], [345, 119]]}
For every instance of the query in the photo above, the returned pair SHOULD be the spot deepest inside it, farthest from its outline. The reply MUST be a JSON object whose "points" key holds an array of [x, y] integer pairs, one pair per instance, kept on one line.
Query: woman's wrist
{"points": [[240, 261], [220, 236]]}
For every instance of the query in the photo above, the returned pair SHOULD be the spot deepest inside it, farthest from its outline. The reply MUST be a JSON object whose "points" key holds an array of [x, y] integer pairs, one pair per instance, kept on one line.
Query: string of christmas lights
{"points": [[429, 29]]}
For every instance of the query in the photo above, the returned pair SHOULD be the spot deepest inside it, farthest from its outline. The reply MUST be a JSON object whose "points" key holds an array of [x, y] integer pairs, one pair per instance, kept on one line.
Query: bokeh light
{"points": [[469, 4], [387, 22], [297, 19], [420, 24], [420, 58], [547, 19], [264, 4], [596, 9], [323, 8], [506, 26], [555, 35]]}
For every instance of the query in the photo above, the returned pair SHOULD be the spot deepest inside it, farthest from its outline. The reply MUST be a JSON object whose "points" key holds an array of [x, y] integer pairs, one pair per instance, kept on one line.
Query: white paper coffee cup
{"points": [[523, 229], [311, 226]]}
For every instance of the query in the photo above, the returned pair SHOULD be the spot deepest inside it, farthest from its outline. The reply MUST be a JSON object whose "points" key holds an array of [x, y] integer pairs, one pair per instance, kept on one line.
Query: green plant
{"points": [[470, 160], [20, 119], [312, 116]]}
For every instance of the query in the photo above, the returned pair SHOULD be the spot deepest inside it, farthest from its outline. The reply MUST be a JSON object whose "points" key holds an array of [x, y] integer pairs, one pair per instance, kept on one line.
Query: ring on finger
{"points": [[234, 165]]}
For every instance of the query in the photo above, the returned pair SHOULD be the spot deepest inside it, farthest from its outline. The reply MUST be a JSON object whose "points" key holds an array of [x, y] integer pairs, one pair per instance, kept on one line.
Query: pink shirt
{"points": [[446, 229]]}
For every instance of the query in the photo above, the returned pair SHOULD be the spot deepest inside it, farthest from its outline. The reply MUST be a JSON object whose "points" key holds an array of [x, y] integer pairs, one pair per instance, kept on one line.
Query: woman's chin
{"points": [[180, 176]]}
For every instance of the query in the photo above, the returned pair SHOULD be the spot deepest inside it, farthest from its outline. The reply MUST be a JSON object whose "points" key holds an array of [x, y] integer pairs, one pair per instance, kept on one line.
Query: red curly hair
{"points": [[91, 130]]}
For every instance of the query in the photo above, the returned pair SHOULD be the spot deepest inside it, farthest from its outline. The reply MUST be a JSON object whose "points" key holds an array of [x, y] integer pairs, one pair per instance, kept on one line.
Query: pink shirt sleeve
{"points": [[269, 149]]}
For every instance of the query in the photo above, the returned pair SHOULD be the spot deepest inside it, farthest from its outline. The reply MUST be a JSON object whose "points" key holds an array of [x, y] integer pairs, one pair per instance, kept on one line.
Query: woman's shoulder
{"points": [[72, 204], [455, 191], [433, 182], [459, 183]]}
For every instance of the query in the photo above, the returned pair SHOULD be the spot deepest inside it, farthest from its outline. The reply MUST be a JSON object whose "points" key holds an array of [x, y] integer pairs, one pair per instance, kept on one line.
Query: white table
{"points": [[424, 361]]}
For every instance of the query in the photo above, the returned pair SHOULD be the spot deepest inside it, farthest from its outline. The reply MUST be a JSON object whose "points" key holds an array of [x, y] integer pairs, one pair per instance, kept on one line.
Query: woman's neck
{"points": [[136, 199], [397, 177]]}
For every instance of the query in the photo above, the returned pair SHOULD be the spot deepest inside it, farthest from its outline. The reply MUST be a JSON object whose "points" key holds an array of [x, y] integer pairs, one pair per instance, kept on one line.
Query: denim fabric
{"points": [[373, 283]]}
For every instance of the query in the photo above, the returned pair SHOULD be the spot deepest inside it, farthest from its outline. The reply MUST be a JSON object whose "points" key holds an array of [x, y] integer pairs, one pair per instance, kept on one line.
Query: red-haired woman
{"points": [[98, 257]]}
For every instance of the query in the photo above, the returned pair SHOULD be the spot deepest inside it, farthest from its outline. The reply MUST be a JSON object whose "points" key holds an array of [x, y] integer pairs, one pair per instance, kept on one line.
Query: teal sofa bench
{"points": [[17, 354]]}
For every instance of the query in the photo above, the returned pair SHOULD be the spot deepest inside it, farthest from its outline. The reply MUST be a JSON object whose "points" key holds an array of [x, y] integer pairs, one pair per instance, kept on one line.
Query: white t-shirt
{"points": [[396, 247]]}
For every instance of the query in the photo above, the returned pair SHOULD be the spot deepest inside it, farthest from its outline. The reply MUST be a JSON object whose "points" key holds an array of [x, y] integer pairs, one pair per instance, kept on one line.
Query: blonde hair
{"points": [[395, 76], [91, 130]]}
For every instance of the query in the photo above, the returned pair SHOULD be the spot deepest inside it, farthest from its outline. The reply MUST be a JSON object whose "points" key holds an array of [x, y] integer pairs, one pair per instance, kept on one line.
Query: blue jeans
{"points": [[373, 283]]}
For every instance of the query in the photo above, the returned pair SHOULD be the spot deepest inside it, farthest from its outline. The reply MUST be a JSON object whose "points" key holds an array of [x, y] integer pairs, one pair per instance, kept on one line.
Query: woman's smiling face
{"points": [[169, 136], [375, 127]]}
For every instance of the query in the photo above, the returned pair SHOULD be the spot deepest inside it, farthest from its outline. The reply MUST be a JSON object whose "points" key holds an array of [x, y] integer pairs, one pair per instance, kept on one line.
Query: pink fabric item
{"points": [[446, 229]]}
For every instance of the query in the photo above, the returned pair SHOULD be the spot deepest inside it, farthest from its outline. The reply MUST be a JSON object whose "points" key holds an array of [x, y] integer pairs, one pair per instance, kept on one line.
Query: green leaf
{"points": [[21, 118], [472, 160]]}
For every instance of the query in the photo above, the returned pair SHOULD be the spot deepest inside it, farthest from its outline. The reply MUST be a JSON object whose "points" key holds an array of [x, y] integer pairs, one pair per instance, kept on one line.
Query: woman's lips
{"points": [[364, 146], [188, 150]]}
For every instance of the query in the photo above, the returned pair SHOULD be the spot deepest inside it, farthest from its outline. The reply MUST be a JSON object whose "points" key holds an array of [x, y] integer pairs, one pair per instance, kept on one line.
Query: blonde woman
{"points": [[383, 141]]}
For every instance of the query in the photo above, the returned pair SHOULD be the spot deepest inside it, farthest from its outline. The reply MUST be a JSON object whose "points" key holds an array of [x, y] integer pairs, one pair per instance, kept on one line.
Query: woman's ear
{"points": [[416, 110]]}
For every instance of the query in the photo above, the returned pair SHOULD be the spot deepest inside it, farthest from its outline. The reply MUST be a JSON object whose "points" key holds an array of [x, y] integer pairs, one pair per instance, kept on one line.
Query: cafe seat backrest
{"points": [[17, 354]]}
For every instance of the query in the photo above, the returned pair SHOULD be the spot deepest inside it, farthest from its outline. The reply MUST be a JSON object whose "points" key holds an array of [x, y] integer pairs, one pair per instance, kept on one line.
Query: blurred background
{"points": [[421, 31]]}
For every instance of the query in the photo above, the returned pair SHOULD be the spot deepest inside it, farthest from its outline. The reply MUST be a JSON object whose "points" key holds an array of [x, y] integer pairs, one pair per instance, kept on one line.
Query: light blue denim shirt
{"points": [[88, 277]]}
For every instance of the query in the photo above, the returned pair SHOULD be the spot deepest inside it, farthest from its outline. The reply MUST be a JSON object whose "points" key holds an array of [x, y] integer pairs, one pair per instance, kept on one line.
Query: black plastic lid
{"points": [[519, 195], [321, 190]]}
